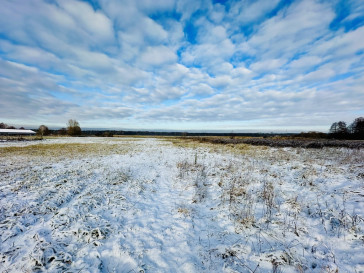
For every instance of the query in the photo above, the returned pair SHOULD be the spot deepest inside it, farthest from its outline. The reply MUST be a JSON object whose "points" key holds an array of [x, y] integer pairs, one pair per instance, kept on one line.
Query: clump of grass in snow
{"points": [[184, 211], [268, 195], [201, 184]]}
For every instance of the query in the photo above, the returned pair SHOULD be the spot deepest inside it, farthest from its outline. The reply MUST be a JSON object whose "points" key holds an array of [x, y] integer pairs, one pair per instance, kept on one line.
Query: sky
{"points": [[265, 65]]}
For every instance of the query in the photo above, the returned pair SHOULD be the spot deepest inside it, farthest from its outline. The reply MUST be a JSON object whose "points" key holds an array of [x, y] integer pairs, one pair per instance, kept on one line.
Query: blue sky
{"points": [[265, 65]]}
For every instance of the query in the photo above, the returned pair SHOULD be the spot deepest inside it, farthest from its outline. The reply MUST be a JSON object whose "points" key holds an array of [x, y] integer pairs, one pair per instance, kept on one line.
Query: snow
{"points": [[157, 207]]}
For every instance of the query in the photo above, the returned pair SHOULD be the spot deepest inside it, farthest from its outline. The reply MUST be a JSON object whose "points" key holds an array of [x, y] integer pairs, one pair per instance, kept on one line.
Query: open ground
{"points": [[176, 205]]}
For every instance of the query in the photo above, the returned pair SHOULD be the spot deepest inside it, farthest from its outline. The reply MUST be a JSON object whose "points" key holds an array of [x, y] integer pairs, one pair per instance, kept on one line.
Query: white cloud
{"points": [[182, 61], [267, 65], [357, 10], [94, 22], [342, 45], [217, 13], [157, 56], [221, 81], [151, 6], [202, 89], [208, 54], [188, 7], [305, 62], [248, 11], [241, 72], [291, 30]]}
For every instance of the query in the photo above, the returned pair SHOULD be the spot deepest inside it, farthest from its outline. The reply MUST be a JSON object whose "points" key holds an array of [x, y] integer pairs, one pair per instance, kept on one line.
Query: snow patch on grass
{"points": [[106, 205]]}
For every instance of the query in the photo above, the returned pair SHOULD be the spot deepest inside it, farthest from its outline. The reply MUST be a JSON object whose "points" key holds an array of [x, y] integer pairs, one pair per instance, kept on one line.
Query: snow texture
{"points": [[160, 207]]}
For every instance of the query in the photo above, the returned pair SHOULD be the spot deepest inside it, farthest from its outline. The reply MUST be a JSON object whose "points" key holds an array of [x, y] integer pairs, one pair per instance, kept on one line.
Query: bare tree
{"points": [[342, 129], [333, 128], [43, 130], [339, 130], [357, 128], [73, 128], [3, 125]]}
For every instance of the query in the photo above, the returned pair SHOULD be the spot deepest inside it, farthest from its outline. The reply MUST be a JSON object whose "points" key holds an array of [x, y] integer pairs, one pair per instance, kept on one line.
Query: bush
{"points": [[311, 134], [107, 134]]}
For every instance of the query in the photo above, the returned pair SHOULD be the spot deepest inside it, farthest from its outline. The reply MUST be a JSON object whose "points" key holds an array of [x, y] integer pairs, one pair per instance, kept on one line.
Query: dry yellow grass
{"points": [[194, 143], [65, 150], [184, 211]]}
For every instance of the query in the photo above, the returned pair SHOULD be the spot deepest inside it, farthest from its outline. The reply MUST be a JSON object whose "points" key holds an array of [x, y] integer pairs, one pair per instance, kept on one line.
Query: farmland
{"points": [[173, 205]]}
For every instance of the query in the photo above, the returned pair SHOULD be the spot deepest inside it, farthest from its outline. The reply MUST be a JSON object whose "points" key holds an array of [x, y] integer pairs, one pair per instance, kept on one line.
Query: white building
{"points": [[16, 132]]}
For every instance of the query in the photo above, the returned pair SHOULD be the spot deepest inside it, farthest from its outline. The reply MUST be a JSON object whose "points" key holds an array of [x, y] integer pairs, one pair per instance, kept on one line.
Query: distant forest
{"points": [[338, 130]]}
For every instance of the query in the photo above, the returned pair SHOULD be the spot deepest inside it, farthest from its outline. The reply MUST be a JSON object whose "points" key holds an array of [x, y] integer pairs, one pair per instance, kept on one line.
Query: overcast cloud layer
{"points": [[157, 64]]}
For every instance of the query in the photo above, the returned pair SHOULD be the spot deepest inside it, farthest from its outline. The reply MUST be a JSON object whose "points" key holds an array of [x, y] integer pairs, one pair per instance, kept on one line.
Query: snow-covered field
{"points": [[147, 205]]}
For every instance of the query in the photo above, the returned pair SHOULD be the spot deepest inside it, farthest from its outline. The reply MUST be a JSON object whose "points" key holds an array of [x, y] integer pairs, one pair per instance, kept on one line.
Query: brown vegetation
{"points": [[287, 142]]}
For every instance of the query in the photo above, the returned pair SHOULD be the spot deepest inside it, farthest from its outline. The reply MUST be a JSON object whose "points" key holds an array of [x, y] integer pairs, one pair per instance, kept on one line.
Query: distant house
{"points": [[16, 132]]}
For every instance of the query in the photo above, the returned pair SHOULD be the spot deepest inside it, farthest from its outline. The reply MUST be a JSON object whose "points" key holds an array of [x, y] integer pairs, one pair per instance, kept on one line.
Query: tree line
{"points": [[73, 129], [5, 126], [340, 130]]}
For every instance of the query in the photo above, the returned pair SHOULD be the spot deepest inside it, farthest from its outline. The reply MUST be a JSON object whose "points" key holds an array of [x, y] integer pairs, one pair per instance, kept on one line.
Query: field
{"points": [[175, 205]]}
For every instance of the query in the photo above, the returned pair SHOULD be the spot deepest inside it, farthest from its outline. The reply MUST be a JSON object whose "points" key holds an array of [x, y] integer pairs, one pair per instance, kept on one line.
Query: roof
{"points": [[16, 131]]}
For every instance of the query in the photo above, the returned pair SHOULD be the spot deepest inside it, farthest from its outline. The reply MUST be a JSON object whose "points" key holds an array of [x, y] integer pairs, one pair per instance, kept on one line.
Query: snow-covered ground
{"points": [[147, 205]]}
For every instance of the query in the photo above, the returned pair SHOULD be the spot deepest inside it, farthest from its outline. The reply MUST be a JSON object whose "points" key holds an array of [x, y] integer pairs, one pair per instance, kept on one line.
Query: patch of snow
{"points": [[165, 208]]}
